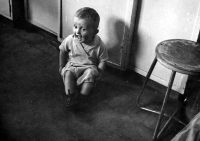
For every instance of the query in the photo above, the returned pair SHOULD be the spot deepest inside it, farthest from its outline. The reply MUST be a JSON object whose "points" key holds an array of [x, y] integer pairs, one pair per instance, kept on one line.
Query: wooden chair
{"points": [[178, 55]]}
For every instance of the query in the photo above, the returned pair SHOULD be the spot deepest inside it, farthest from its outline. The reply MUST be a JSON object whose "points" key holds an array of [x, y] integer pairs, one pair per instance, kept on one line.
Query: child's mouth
{"points": [[78, 37]]}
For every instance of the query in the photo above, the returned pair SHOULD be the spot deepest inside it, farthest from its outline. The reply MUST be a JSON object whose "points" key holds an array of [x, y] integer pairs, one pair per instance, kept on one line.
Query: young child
{"points": [[83, 56]]}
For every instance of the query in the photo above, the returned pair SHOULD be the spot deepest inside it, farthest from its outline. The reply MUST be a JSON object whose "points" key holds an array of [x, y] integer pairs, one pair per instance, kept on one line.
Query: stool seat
{"points": [[179, 55]]}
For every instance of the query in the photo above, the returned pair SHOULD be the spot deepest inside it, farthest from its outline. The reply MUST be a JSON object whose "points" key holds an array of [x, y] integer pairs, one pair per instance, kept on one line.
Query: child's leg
{"points": [[86, 88], [70, 83]]}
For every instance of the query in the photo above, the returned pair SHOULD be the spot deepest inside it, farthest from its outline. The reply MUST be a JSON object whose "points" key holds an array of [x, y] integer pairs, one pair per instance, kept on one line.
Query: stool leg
{"points": [[145, 82], [163, 105]]}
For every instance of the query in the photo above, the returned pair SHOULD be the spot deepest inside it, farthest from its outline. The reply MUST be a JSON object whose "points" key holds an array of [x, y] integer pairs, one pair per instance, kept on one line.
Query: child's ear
{"points": [[97, 31]]}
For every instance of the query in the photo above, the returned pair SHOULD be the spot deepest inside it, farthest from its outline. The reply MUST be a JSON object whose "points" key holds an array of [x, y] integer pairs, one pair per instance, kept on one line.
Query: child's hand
{"points": [[60, 70]]}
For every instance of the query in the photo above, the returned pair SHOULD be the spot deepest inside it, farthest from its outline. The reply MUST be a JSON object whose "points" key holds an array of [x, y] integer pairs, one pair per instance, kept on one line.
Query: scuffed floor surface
{"points": [[32, 105]]}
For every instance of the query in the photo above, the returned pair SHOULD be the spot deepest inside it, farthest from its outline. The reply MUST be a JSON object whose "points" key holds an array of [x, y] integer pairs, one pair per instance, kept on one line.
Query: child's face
{"points": [[84, 30]]}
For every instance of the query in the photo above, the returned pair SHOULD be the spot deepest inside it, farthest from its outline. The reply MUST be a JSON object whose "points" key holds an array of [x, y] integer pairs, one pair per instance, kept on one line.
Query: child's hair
{"points": [[88, 13]]}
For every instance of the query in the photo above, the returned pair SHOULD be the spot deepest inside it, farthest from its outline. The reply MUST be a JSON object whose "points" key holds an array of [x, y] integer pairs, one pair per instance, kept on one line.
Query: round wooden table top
{"points": [[179, 55]]}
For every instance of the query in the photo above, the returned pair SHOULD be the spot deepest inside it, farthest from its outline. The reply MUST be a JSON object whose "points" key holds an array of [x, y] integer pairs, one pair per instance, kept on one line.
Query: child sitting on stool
{"points": [[83, 56]]}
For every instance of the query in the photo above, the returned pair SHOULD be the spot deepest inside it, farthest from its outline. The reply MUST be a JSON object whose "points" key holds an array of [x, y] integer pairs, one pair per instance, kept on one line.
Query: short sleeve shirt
{"points": [[96, 52]]}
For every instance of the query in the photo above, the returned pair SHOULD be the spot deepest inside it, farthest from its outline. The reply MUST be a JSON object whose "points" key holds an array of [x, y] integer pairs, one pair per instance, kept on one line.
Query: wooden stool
{"points": [[178, 55]]}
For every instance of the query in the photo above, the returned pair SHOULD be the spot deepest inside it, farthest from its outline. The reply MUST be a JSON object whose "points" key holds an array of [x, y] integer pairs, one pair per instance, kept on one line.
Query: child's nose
{"points": [[78, 31]]}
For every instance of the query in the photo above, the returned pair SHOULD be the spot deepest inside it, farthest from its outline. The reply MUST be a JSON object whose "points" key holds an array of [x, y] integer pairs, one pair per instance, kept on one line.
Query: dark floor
{"points": [[32, 108]]}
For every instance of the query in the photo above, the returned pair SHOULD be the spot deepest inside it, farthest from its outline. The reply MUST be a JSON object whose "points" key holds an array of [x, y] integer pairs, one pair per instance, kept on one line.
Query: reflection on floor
{"points": [[32, 108]]}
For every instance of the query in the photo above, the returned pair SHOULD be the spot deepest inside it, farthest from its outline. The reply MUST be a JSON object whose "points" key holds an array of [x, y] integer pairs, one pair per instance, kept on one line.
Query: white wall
{"points": [[161, 20]]}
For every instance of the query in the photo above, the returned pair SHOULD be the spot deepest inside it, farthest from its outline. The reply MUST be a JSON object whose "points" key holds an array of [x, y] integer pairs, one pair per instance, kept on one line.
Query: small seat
{"points": [[178, 55]]}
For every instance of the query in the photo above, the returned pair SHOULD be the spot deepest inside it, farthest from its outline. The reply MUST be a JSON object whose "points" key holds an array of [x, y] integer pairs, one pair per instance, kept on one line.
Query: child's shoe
{"points": [[70, 99], [82, 101]]}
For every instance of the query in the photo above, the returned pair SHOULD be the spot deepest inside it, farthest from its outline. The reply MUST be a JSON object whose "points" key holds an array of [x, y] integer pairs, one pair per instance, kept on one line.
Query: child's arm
{"points": [[63, 57], [101, 68]]}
